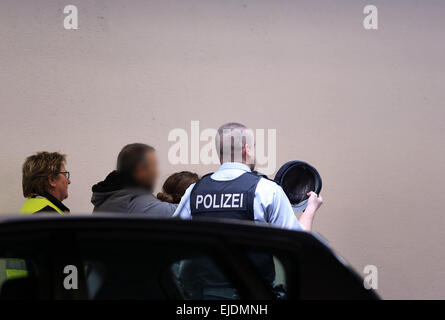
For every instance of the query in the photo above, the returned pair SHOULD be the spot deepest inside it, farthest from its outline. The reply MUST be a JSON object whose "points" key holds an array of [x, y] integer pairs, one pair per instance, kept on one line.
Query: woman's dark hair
{"points": [[175, 185], [299, 181]]}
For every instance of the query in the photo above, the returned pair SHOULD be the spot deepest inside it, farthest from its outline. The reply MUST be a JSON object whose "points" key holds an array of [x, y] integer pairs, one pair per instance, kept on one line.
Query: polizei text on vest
{"points": [[223, 200]]}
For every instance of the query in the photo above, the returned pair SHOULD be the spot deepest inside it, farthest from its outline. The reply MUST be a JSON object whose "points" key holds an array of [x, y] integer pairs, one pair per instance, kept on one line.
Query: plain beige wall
{"points": [[365, 107]]}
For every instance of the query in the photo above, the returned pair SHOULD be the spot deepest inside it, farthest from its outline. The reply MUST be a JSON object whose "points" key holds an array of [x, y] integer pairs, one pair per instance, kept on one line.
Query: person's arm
{"points": [[307, 217], [279, 211], [148, 204], [164, 209], [183, 210], [281, 214]]}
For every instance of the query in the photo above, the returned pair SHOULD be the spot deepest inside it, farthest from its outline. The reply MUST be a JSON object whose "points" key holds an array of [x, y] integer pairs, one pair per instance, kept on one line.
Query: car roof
{"points": [[211, 227], [50, 218], [265, 235], [137, 221]]}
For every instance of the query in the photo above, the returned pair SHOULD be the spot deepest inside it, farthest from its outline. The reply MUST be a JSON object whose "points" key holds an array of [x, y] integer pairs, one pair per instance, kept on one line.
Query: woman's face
{"points": [[59, 184]]}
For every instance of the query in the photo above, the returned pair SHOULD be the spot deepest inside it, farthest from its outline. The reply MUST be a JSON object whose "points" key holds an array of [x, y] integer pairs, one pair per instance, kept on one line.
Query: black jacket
{"points": [[115, 194]]}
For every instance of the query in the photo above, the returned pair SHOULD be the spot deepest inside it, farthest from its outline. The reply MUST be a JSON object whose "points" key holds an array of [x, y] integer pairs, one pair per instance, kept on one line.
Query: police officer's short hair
{"points": [[230, 139], [36, 171], [131, 156]]}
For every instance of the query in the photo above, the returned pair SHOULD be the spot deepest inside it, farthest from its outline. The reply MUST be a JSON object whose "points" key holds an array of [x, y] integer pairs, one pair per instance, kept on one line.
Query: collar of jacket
{"points": [[56, 202]]}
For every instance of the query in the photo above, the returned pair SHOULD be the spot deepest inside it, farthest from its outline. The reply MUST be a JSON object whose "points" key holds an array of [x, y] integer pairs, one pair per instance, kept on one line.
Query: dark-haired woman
{"points": [[175, 185]]}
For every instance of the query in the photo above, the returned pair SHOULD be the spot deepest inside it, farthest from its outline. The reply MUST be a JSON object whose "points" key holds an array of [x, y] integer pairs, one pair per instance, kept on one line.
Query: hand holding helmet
{"points": [[301, 183], [314, 202]]}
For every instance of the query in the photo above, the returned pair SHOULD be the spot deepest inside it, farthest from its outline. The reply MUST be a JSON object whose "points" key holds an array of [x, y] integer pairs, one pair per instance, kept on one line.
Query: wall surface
{"points": [[365, 107]]}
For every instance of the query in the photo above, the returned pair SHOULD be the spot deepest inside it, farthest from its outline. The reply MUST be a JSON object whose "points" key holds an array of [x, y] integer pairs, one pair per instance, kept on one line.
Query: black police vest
{"points": [[232, 199]]}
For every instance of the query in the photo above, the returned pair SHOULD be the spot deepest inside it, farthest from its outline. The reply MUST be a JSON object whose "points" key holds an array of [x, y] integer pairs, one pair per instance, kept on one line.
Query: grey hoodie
{"points": [[111, 195]]}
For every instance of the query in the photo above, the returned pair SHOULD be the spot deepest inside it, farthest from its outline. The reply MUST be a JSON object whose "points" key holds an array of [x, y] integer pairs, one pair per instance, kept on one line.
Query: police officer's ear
{"points": [[249, 145], [248, 151]]}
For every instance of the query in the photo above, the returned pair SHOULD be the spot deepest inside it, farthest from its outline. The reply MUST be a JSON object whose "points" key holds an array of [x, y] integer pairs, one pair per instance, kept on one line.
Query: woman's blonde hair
{"points": [[37, 170]]}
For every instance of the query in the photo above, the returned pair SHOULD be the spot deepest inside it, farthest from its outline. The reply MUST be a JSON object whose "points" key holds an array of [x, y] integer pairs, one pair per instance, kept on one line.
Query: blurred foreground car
{"points": [[135, 257]]}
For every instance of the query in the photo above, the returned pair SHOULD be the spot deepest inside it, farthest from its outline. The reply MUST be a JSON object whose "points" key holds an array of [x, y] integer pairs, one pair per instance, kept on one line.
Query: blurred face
{"points": [[147, 173], [59, 184]]}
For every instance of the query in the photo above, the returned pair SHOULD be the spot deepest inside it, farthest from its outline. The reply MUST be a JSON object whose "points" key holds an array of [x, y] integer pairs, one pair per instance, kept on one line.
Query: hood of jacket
{"points": [[113, 182], [115, 193]]}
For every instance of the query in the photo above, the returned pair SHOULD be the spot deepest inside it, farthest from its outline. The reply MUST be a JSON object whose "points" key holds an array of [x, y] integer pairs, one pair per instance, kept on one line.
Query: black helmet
{"points": [[297, 178]]}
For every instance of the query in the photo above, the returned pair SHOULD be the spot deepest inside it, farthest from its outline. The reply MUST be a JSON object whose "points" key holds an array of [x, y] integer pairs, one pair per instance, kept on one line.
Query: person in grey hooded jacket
{"points": [[129, 189]]}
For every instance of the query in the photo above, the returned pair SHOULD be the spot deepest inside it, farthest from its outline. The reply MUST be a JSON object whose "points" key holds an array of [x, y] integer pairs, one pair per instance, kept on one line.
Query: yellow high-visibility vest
{"points": [[13, 268], [36, 204]]}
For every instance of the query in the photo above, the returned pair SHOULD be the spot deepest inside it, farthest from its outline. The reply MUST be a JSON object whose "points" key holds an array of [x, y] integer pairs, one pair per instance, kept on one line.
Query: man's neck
{"points": [[237, 164]]}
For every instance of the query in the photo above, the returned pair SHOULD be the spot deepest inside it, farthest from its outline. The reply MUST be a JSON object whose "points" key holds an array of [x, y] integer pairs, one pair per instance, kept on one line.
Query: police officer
{"points": [[235, 192], [45, 183]]}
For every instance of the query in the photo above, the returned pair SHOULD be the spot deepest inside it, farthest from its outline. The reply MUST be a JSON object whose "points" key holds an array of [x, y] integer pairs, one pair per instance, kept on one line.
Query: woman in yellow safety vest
{"points": [[45, 183]]}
